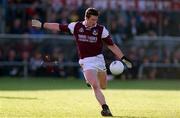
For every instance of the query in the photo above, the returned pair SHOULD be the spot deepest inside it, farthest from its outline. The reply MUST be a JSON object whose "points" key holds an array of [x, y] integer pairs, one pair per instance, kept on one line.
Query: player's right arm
{"points": [[54, 26]]}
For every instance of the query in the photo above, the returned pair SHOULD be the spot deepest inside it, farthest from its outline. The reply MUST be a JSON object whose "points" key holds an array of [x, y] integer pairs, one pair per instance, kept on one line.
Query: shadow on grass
{"points": [[71, 84], [20, 98]]}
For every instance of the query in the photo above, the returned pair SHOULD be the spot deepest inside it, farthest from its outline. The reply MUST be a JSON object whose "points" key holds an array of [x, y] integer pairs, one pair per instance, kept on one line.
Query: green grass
{"points": [[59, 98]]}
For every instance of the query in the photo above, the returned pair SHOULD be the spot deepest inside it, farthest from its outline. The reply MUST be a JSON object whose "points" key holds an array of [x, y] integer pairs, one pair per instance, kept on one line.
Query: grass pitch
{"points": [[60, 98]]}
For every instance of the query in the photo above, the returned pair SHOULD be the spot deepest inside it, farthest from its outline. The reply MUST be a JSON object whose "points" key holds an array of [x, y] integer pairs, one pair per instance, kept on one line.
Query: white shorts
{"points": [[96, 63]]}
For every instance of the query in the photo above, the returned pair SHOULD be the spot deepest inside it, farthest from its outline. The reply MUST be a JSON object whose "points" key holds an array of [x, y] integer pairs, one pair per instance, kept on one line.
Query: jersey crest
{"points": [[95, 32], [81, 30]]}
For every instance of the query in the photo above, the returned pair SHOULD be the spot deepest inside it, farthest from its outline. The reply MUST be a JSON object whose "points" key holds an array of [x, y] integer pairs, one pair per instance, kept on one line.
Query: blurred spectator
{"points": [[62, 70], [58, 69], [51, 16], [132, 28], [178, 29], [1, 55], [17, 27], [56, 5], [25, 56], [12, 57], [1, 60], [32, 10], [166, 27], [1, 20], [136, 62], [82, 8], [74, 16], [36, 63], [115, 33], [63, 16], [176, 56], [154, 58], [25, 45], [149, 72]]}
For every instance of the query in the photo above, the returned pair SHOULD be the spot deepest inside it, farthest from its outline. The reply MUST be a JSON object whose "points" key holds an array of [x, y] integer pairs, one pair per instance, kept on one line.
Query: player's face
{"points": [[91, 21]]}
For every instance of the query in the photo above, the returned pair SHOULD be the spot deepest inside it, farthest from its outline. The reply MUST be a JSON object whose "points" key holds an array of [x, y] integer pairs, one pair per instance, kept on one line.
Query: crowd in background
{"points": [[123, 24]]}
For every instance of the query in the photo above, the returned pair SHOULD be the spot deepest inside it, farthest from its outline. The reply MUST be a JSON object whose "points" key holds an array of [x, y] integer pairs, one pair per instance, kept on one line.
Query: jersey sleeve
{"points": [[63, 27], [106, 37], [71, 27]]}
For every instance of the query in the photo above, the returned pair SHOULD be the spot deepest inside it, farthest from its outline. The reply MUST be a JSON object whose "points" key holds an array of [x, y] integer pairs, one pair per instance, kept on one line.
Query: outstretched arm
{"points": [[50, 26]]}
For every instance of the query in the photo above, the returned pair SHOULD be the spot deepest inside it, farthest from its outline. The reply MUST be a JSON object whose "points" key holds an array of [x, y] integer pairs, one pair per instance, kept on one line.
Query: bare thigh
{"points": [[102, 76], [91, 77]]}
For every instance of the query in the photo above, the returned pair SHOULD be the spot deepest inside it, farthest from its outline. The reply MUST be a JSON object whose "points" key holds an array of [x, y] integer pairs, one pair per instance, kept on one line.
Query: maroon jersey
{"points": [[89, 40]]}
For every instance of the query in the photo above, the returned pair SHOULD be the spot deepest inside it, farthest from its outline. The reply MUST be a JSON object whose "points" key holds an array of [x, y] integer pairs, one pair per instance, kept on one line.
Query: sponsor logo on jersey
{"points": [[86, 38]]}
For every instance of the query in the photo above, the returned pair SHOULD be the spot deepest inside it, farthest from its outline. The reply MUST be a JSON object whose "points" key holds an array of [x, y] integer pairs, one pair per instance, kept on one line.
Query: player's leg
{"points": [[102, 76], [87, 83], [91, 77]]}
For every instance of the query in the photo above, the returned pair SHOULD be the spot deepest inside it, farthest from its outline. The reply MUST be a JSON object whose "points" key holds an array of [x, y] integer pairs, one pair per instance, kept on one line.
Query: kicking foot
{"points": [[106, 112]]}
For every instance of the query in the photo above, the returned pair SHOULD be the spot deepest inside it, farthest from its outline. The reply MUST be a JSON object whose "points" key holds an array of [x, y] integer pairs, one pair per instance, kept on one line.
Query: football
{"points": [[116, 67]]}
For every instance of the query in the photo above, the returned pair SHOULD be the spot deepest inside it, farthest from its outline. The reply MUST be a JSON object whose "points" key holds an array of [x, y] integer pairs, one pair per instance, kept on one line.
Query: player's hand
{"points": [[36, 23], [128, 62]]}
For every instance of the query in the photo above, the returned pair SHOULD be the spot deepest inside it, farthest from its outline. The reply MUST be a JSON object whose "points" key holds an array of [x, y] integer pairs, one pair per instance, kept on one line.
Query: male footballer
{"points": [[90, 37]]}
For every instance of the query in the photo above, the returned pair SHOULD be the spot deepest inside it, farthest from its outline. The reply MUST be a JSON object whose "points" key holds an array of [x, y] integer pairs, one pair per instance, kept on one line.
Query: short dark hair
{"points": [[91, 11]]}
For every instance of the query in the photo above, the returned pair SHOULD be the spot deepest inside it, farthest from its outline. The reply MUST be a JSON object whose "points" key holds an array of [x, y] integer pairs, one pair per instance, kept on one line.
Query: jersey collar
{"points": [[84, 23]]}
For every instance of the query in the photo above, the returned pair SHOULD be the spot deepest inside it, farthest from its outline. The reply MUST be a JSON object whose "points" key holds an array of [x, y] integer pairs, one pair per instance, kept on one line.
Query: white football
{"points": [[116, 67]]}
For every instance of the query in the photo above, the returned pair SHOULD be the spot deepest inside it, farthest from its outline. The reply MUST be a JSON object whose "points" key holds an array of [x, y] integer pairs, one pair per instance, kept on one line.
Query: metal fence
{"points": [[160, 66], [66, 41]]}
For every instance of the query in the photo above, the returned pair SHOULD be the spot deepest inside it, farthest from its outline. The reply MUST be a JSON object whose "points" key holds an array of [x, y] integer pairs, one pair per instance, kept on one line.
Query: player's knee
{"points": [[95, 86]]}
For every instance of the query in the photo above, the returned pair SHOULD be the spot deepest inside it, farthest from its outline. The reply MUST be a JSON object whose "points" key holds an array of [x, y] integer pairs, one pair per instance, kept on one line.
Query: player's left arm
{"points": [[117, 51], [114, 48]]}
